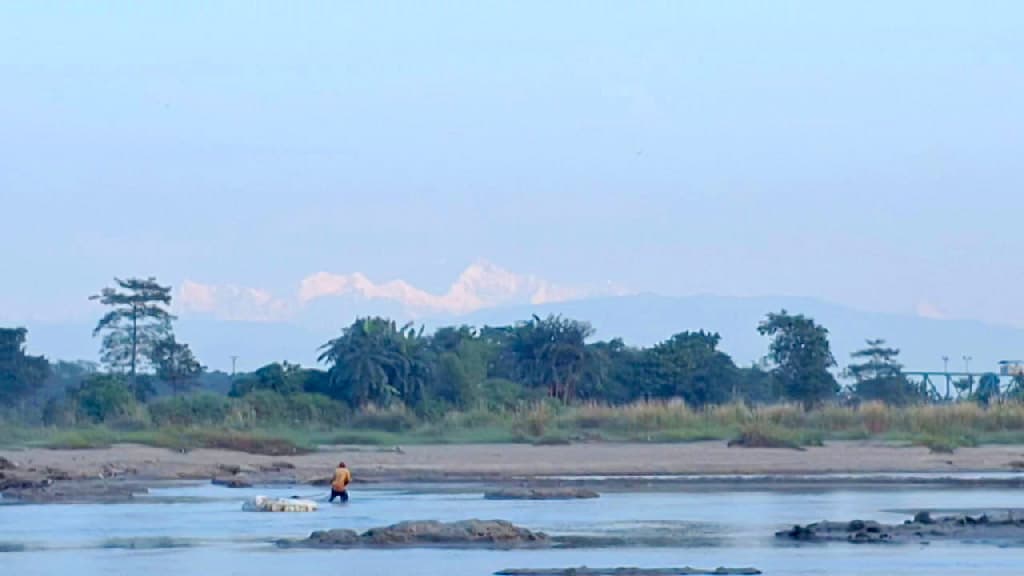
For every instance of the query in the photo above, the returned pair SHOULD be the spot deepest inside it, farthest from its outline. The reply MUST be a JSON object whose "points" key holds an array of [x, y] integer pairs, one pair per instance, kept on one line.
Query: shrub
{"points": [[264, 407], [393, 419], [534, 421], [767, 435], [103, 398], [875, 416], [230, 440], [196, 410]]}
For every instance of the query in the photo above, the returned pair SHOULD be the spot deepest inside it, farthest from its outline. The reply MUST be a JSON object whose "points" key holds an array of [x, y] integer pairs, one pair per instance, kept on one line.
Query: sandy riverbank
{"points": [[514, 461]]}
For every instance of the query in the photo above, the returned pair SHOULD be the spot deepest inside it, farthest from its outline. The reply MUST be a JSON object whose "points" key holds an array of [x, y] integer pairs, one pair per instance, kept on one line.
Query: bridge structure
{"points": [[927, 380], [941, 384]]}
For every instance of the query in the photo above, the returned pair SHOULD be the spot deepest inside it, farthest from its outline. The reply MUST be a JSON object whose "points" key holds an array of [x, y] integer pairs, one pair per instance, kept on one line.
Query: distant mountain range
{"points": [[640, 320]]}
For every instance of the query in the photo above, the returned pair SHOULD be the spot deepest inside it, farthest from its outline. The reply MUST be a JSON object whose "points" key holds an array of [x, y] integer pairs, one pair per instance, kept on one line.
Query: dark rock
{"points": [[541, 494], [73, 492], [627, 571], [453, 533], [12, 547], [467, 533], [277, 467], [111, 471], [55, 475], [986, 527], [337, 537], [235, 482], [866, 537], [146, 543], [229, 469], [6, 464]]}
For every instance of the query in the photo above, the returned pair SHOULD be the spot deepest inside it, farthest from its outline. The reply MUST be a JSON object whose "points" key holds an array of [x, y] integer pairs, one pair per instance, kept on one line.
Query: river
{"points": [[201, 530]]}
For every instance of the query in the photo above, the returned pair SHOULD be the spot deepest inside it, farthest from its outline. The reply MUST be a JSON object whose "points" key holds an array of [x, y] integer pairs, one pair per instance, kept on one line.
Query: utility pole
{"points": [[970, 379], [234, 359], [945, 368]]}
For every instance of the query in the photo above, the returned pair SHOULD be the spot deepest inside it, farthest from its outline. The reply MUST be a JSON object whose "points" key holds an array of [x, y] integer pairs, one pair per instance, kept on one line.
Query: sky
{"points": [[254, 154]]}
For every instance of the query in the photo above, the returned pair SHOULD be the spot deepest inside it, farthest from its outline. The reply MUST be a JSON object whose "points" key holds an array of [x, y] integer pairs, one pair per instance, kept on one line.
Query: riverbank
{"points": [[508, 462]]}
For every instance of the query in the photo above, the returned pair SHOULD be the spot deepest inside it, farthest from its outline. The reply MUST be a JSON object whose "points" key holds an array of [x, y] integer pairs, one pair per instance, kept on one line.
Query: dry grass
{"points": [[940, 427]]}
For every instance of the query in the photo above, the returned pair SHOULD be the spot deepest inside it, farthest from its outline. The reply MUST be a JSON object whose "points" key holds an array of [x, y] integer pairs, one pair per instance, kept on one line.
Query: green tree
{"points": [[552, 353], [137, 320], [461, 361], [375, 362], [280, 377], [175, 364], [21, 375], [757, 385], [1016, 388], [612, 373], [988, 389], [102, 398], [801, 356], [879, 376], [689, 366]]}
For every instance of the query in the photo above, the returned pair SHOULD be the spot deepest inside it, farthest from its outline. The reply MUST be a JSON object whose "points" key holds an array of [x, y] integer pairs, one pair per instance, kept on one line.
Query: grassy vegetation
{"points": [[942, 428]]}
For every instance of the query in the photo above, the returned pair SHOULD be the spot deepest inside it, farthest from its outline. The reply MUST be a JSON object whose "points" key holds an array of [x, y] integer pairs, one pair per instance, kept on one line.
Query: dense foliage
{"points": [[380, 373]]}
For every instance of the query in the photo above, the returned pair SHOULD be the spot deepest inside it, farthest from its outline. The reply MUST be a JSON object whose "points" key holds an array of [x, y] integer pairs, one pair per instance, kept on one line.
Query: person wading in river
{"points": [[339, 485]]}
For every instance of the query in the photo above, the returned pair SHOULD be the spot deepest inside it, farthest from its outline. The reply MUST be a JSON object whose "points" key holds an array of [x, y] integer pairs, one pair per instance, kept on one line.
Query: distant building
{"points": [[1011, 367]]}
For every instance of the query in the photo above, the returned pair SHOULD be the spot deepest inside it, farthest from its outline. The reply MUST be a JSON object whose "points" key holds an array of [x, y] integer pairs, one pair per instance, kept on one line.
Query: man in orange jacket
{"points": [[339, 485]]}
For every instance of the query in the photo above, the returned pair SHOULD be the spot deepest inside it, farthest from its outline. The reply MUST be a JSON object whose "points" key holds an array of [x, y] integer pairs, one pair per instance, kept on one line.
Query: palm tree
{"points": [[375, 362], [552, 353]]}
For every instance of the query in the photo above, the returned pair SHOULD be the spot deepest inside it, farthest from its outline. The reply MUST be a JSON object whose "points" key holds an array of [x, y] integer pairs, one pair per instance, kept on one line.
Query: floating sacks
{"points": [[265, 504]]}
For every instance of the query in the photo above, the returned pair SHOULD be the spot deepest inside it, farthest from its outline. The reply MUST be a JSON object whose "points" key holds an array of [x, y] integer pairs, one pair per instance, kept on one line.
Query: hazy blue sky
{"points": [[868, 153]]}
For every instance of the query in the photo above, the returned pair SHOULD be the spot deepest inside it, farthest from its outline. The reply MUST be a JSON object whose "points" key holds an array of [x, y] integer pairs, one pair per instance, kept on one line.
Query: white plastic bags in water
{"points": [[265, 504]]}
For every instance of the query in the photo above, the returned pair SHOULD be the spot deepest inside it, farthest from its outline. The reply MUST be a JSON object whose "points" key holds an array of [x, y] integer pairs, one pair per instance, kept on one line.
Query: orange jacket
{"points": [[341, 480]]}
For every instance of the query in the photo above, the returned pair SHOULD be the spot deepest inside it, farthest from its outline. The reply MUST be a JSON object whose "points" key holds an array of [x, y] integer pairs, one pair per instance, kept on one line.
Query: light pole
{"points": [[967, 365]]}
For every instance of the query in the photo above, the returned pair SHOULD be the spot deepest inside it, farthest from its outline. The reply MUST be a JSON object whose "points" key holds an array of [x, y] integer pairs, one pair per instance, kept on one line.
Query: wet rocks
{"points": [[466, 533], [998, 527], [233, 482], [277, 467], [337, 538], [541, 494], [48, 491], [494, 532], [146, 543], [6, 464], [15, 483], [229, 469], [628, 571]]}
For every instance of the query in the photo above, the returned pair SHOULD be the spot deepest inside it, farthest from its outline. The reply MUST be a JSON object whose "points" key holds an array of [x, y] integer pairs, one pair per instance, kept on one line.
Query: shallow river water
{"points": [[201, 529]]}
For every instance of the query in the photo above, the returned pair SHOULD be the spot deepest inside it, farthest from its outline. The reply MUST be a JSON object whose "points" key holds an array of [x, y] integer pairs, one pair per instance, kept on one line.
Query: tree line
{"points": [[375, 362]]}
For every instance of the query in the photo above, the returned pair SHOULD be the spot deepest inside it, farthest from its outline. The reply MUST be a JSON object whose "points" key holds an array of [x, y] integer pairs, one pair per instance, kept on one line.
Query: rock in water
{"points": [[265, 504], [338, 537], [467, 533], [236, 482], [629, 571], [997, 528], [541, 494], [453, 533], [6, 464]]}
